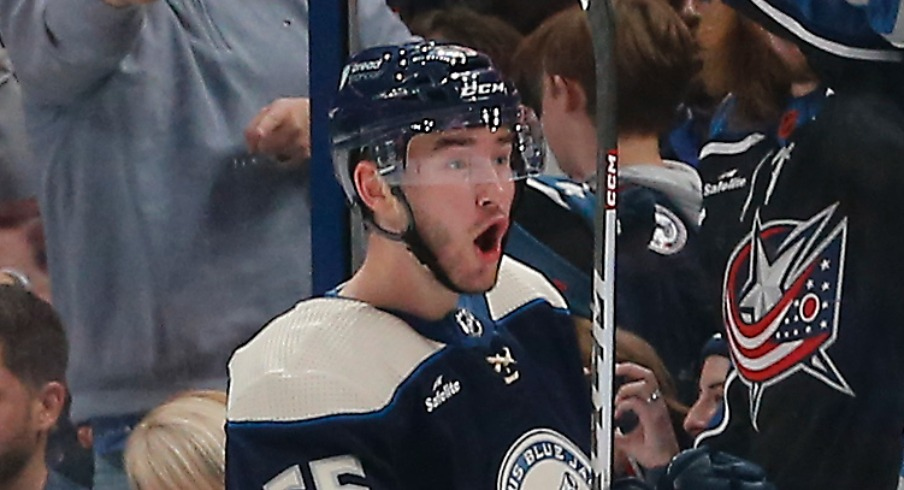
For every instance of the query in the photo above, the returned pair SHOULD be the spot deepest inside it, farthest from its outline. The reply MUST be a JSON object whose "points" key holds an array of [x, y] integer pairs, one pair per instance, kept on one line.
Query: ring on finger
{"points": [[654, 396]]}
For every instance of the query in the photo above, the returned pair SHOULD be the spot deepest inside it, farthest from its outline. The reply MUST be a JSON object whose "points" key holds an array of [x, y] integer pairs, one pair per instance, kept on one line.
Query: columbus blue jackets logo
{"points": [[670, 234], [782, 301], [543, 459]]}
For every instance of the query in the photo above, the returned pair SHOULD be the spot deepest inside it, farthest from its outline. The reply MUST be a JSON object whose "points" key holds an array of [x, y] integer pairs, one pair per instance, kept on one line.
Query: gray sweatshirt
{"points": [[168, 245], [19, 174], [679, 181]]}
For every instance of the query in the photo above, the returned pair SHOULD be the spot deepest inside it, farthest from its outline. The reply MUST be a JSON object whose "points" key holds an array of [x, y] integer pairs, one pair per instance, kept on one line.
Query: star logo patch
{"points": [[782, 300]]}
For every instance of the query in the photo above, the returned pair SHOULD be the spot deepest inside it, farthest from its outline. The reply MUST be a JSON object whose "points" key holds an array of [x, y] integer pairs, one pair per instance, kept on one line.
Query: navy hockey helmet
{"points": [[390, 94]]}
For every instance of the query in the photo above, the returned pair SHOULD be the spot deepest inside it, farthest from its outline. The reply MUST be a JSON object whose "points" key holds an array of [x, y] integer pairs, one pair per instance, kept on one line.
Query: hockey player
{"points": [[811, 292], [440, 364]]}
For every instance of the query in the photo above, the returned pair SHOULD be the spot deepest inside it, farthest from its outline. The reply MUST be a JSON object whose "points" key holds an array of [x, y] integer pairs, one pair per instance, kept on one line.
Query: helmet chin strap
{"points": [[415, 243]]}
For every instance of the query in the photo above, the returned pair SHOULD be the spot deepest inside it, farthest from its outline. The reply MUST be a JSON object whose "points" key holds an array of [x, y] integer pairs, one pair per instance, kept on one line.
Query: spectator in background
{"points": [[630, 347], [523, 16], [33, 356], [23, 258], [526, 16], [22, 248], [687, 9], [661, 294], [171, 237], [738, 61], [68, 453], [703, 414], [21, 236], [649, 442], [19, 173], [646, 392], [180, 444], [691, 126], [461, 25]]}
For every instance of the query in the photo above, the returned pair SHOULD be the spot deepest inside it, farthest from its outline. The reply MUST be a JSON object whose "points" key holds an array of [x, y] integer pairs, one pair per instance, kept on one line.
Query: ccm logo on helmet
{"points": [[473, 88]]}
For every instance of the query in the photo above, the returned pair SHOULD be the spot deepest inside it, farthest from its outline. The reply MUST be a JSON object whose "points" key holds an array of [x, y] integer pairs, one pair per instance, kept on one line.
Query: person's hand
{"points": [[126, 3], [652, 444], [282, 131]]}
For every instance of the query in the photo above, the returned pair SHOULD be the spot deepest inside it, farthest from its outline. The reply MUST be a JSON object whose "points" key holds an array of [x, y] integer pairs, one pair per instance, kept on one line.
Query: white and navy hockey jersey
{"points": [[339, 394]]}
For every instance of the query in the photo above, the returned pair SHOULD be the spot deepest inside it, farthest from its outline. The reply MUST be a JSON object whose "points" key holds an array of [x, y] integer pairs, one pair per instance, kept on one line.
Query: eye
{"points": [[503, 160], [456, 164]]}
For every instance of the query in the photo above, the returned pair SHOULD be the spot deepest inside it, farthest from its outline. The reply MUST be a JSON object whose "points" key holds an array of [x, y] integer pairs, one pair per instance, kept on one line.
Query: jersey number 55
{"points": [[324, 472]]}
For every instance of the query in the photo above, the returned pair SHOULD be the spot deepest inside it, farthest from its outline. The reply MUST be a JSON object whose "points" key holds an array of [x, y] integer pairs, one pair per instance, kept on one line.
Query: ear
{"points": [[567, 92], [49, 405], [371, 188], [374, 192], [577, 97], [553, 90]]}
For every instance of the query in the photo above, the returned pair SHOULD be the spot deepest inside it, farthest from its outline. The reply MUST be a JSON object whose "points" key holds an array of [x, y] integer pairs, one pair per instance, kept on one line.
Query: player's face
{"points": [[709, 395], [19, 434], [459, 184]]}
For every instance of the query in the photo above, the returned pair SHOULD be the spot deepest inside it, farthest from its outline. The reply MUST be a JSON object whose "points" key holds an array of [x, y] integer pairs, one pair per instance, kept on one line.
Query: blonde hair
{"points": [[180, 444]]}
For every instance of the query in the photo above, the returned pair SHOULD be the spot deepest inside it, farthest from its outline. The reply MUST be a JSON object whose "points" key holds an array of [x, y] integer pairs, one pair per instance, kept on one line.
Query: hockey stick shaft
{"points": [[602, 27]]}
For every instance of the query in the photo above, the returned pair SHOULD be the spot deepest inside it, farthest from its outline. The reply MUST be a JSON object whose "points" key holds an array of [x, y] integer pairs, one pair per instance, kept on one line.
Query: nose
{"points": [[489, 186], [698, 417], [690, 15], [489, 193]]}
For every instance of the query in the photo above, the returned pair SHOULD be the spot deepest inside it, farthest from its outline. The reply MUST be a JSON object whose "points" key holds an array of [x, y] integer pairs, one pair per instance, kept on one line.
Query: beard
{"points": [[14, 460], [737, 58], [454, 261]]}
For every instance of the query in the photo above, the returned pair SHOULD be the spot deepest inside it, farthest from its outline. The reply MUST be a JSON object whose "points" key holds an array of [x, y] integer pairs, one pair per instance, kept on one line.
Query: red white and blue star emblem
{"points": [[782, 299]]}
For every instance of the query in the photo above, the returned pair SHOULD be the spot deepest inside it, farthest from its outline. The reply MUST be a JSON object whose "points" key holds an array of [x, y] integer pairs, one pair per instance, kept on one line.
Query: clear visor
{"points": [[467, 155], [474, 153], [495, 146]]}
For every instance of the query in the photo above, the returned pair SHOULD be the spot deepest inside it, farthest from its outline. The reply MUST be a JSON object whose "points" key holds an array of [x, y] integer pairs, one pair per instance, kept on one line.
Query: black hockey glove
{"points": [[705, 469]]}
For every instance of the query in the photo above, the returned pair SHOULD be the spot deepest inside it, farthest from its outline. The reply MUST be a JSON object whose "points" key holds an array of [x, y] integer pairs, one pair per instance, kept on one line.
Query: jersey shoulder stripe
{"points": [[324, 357], [731, 147], [518, 284]]}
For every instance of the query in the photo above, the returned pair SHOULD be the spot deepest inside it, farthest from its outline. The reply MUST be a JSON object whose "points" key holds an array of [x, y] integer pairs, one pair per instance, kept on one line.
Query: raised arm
{"points": [[63, 49]]}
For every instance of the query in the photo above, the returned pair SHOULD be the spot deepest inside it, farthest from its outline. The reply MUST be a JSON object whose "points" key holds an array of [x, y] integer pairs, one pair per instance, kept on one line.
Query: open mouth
{"points": [[490, 240]]}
